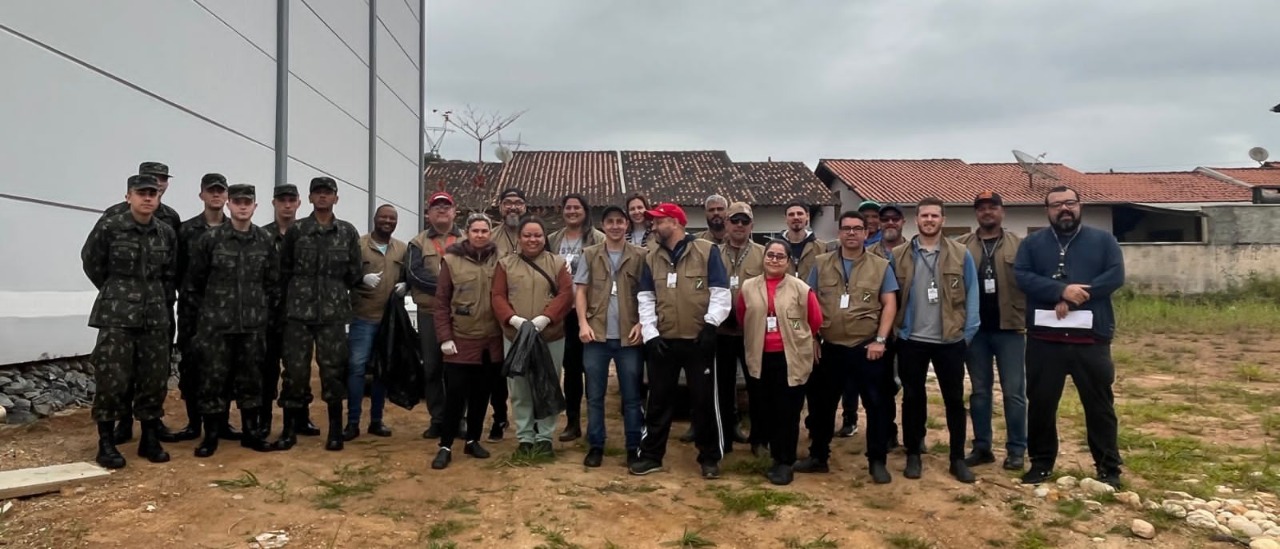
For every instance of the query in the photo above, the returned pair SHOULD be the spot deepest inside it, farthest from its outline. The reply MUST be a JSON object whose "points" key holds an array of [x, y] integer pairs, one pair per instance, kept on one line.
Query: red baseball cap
{"points": [[440, 195], [667, 209]]}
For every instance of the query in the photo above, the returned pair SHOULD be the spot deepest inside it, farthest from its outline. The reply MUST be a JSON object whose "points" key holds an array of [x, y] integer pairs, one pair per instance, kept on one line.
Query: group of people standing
{"points": [[805, 321]]}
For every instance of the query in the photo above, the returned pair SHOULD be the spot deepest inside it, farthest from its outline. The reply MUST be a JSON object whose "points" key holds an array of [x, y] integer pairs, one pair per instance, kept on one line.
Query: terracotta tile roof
{"points": [[546, 176], [1268, 174], [778, 183], [957, 182], [683, 177], [459, 178]]}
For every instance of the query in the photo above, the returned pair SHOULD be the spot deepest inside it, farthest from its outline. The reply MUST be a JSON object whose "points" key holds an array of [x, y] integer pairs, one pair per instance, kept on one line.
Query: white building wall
{"points": [[91, 89]]}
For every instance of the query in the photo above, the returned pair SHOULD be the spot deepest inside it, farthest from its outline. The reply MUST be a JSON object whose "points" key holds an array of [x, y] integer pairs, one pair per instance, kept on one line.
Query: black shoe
{"points": [[643, 466], [880, 473], [572, 432], [812, 465], [149, 443], [254, 435], [847, 430], [524, 449], [710, 471], [1110, 477], [379, 429], [595, 457], [1013, 463], [432, 432], [495, 434], [544, 448], [779, 474], [263, 423], [739, 436], [979, 457], [108, 456], [760, 450], [333, 442], [894, 444], [304, 426], [350, 432], [475, 450], [688, 435], [122, 430], [961, 471], [288, 431], [443, 457], [914, 467], [209, 444], [190, 432], [633, 455], [227, 432], [1037, 475]]}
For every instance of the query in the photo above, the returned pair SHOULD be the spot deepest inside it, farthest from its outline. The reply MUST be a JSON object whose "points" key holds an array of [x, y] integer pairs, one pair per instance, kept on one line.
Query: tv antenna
{"points": [[435, 134], [1259, 155], [1034, 166]]}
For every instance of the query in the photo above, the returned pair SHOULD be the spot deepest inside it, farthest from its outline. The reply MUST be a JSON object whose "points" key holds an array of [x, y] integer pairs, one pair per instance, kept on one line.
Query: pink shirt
{"points": [[773, 340]]}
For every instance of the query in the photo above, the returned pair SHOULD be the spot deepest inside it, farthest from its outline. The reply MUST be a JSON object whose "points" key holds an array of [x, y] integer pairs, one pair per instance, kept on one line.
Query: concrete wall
{"points": [[1244, 224], [1197, 268]]}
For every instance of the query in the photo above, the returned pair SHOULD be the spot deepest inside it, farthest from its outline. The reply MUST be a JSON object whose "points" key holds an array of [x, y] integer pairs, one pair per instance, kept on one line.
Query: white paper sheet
{"points": [[1074, 319]]}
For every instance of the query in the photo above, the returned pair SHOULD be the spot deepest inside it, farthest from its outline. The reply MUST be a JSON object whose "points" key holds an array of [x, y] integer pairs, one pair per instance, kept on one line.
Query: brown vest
{"points": [[506, 240], [370, 303], [1013, 303], [432, 254], [744, 266], [681, 310], [472, 283], [596, 258], [791, 306], [860, 321], [529, 292], [950, 284]]}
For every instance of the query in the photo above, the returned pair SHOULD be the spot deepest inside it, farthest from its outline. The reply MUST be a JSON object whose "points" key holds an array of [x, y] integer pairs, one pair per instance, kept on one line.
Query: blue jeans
{"points": [[1009, 350], [629, 362], [360, 338]]}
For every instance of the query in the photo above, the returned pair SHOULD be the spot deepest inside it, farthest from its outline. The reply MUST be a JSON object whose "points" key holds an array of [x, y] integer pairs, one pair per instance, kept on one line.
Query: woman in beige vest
{"points": [[779, 316], [472, 339], [532, 285]]}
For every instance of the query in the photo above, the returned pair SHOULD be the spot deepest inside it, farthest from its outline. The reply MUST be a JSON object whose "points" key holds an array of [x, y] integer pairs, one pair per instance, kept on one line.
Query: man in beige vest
{"points": [[938, 318], [890, 238], [857, 293], [743, 259], [568, 243], [715, 206], [512, 206], [382, 265], [805, 246]]}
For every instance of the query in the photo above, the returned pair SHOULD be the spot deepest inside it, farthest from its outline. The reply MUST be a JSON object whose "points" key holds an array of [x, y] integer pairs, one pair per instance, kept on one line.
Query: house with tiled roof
{"points": [[1136, 207], [1266, 175]]}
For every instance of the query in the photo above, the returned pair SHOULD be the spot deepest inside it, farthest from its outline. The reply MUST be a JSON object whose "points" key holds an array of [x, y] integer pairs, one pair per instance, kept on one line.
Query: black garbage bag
{"points": [[531, 359], [397, 356]]}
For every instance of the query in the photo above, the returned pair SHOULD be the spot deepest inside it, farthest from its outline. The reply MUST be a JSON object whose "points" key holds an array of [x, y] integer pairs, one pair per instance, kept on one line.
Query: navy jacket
{"points": [[1093, 258]]}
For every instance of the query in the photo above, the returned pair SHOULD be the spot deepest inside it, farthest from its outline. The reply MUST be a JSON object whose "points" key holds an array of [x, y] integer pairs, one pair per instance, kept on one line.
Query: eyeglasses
{"points": [[1062, 204], [890, 219], [507, 203], [440, 207], [775, 256], [740, 221], [853, 230]]}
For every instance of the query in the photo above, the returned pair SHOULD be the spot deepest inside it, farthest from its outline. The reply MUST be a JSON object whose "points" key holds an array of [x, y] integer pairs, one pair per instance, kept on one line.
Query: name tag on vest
{"points": [[671, 280], [771, 324]]}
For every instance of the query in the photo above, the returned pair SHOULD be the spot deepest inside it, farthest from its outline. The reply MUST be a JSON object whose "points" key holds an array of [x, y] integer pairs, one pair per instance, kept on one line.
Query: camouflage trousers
{"points": [[131, 371], [329, 341], [270, 367], [232, 367], [189, 368]]}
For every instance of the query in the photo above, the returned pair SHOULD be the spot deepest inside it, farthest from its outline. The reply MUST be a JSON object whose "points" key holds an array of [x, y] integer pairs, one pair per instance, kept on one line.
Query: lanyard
{"points": [[736, 263], [854, 265], [449, 239], [933, 269], [988, 254]]}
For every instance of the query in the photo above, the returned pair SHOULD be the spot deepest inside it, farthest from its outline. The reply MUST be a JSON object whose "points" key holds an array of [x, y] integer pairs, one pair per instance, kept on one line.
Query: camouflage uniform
{"points": [[133, 267], [270, 371], [319, 264], [232, 278], [189, 367]]}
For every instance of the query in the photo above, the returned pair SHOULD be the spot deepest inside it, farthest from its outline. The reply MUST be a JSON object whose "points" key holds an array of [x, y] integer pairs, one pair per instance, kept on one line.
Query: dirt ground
{"points": [[382, 492]]}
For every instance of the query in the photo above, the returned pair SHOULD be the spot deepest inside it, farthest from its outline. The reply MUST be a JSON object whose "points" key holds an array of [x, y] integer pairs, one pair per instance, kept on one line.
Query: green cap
{"points": [[288, 189], [154, 168], [323, 183], [242, 190], [143, 181], [869, 205], [213, 180]]}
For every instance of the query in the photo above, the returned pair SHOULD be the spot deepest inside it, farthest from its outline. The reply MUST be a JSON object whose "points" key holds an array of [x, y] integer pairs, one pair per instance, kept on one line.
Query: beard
{"points": [[511, 220], [892, 235], [715, 224], [1065, 222]]}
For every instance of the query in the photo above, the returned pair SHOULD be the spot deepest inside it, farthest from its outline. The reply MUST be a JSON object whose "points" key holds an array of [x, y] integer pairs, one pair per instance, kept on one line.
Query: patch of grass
{"points": [[1271, 424], [1034, 539], [579, 504], [395, 515], [246, 480], [618, 487], [1147, 411], [522, 459], [554, 538], [749, 465], [820, 542], [611, 545], [690, 540], [1250, 306], [1166, 461], [280, 488], [351, 481], [934, 423], [445, 529], [1162, 519], [442, 544], [1250, 372], [906, 541], [1071, 509], [940, 449], [764, 502], [967, 499], [1021, 510], [461, 505]]}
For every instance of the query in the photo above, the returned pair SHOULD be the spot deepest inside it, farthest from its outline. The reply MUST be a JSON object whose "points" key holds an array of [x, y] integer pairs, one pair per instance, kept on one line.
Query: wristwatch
{"points": [[880, 340]]}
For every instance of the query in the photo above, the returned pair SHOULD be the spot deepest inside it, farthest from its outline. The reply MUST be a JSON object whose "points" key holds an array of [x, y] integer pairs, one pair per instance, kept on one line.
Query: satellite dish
{"points": [[503, 153], [1259, 155], [1033, 167]]}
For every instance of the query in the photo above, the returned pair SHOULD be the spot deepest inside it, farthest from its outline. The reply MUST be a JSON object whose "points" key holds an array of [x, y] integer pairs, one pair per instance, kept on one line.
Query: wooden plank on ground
{"points": [[42, 480]]}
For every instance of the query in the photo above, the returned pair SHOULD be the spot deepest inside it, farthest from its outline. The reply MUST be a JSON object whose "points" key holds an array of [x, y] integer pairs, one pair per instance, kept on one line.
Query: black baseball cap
{"points": [[987, 197], [613, 208], [888, 207], [288, 189], [242, 190], [213, 180], [323, 182]]}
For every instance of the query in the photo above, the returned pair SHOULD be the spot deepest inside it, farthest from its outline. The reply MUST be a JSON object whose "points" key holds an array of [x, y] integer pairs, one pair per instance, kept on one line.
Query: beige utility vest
{"points": [[472, 313], [950, 284], [791, 306], [682, 309], [602, 279], [860, 320], [507, 240], [740, 265], [370, 303], [1013, 303], [433, 250], [529, 292]]}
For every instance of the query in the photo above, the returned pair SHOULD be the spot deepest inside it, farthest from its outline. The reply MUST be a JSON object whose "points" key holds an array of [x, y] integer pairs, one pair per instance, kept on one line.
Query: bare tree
{"points": [[480, 127]]}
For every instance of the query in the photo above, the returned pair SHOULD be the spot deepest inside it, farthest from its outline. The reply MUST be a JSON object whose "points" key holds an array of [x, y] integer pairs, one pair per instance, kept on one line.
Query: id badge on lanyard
{"points": [[932, 292], [771, 323], [989, 281], [733, 282], [671, 280]]}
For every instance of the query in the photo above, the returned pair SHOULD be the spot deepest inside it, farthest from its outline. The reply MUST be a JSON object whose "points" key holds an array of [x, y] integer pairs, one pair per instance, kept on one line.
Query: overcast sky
{"points": [[1138, 85]]}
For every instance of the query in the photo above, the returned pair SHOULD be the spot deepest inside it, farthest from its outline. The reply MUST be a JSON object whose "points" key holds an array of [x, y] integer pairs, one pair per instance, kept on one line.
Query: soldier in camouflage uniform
{"points": [[232, 277], [130, 258], [166, 215], [319, 265]]}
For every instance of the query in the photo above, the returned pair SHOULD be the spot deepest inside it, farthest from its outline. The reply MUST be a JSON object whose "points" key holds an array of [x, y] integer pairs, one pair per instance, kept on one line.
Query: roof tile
{"points": [[778, 183]]}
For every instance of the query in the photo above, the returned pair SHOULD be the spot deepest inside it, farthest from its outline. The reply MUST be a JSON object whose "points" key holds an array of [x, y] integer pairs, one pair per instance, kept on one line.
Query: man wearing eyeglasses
{"points": [[426, 251], [743, 259], [512, 206], [890, 231], [1068, 275]]}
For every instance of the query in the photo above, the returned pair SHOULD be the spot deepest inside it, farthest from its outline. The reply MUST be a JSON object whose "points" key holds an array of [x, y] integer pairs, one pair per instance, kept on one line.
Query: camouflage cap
{"points": [[740, 208], [154, 168], [288, 189], [143, 181], [242, 190], [323, 182], [213, 180]]}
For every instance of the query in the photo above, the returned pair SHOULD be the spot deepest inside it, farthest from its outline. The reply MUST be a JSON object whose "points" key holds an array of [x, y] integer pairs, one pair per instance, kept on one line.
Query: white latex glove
{"points": [[517, 321], [540, 322], [401, 289], [449, 348], [372, 280]]}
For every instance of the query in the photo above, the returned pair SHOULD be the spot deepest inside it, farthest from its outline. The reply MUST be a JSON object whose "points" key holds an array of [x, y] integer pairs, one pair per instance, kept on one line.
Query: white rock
{"points": [[1201, 506], [1244, 526], [3, 414], [1223, 517], [1198, 501], [1202, 519], [1130, 499], [1174, 509], [1097, 488], [1041, 492], [1272, 532], [1142, 529], [1264, 543], [150, 508], [1067, 482], [1173, 494], [1222, 490], [1265, 524], [1254, 514], [1251, 506], [1222, 529], [1150, 505], [1214, 505], [1093, 506], [1098, 540]]}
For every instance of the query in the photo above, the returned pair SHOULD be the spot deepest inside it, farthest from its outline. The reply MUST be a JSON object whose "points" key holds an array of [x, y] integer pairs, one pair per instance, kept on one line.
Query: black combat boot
{"points": [[123, 430], [108, 455], [334, 441], [253, 438], [190, 432], [209, 444], [226, 431], [149, 443], [305, 427], [265, 417], [288, 430]]}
